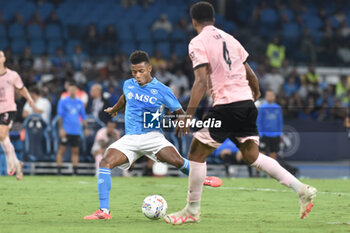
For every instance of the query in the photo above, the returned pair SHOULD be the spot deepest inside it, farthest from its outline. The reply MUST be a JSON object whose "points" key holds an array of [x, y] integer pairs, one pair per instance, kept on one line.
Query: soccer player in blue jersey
{"points": [[70, 110], [143, 96]]}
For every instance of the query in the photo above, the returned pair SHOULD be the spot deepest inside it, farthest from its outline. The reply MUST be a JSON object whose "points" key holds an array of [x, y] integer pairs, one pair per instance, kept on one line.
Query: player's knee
{"points": [[250, 151], [104, 163]]}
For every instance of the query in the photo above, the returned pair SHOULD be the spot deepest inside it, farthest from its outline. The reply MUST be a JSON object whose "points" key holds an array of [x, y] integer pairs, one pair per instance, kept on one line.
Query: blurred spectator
{"points": [[114, 67], [325, 98], [59, 61], [26, 61], [104, 137], [340, 15], [181, 81], [92, 40], [274, 81], [97, 104], [290, 87], [70, 110], [78, 58], [42, 105], [229, 154], [110, 39], [53, 20], [185, 25], [162, 23], [10, 61], [18, 19], [157, 60], [164, 76], [308, 47], [344, 53], [127, 3], [80, 94], [276, 53], [341, 90], [42, 64], [270, 125], [36, 19]]}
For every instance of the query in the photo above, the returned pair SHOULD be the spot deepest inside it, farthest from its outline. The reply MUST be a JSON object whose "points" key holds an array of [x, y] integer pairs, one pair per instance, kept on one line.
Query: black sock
{"points": [[59, 170], [75, 170]]}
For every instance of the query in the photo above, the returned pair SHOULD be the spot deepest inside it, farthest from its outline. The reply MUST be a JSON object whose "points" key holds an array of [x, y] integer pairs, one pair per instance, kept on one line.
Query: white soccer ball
{"points": [[154, 207]]}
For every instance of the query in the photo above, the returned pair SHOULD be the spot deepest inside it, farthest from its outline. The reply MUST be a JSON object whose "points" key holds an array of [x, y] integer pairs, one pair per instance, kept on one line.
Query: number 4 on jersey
{"points": [[226, 55]]}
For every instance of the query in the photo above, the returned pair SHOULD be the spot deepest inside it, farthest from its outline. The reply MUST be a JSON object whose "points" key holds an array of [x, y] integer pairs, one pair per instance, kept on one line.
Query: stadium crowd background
{"points": [[49, 42]]}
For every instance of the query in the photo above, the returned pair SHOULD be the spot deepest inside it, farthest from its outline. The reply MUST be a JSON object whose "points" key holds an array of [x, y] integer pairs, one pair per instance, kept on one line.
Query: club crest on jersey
{"points": [[130, 95], [154, 91]]}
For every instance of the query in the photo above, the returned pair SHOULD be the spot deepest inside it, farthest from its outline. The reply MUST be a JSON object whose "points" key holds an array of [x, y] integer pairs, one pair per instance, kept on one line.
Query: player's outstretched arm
{"points": [[253, 82], [113, 111], [24, 92]]}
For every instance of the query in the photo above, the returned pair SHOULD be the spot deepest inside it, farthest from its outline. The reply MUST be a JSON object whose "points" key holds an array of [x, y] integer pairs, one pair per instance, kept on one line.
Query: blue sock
{"points": [[104, 185], [185, 169]]}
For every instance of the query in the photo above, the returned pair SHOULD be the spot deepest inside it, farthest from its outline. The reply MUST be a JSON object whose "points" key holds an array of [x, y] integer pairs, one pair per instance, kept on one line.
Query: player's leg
{"points": [[113, 158], [75, 159], [59, 157], [7, 148], [98, 156], [251, 155], [170, 155], [120, 153], [198, 153]]}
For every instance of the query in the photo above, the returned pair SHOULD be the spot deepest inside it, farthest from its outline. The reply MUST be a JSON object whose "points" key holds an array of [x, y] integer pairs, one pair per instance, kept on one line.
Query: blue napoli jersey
{"points": [[70, 110], [143, 102], [270, 120]]}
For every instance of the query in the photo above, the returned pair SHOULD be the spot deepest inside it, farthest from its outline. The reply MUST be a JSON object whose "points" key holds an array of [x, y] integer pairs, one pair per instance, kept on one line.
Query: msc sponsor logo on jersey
{"points": [[142, 97], [131, 87]]}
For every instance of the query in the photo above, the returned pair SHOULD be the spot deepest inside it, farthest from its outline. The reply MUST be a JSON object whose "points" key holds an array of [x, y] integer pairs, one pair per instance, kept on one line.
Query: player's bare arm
{"points": [[62, 132], [86, 128], [253, 81], [198, 90], [24, 92], [113, 111]]}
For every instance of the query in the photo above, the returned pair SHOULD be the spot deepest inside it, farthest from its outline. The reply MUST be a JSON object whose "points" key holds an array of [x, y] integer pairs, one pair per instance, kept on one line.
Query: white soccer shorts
{"points": [[135, 146]]}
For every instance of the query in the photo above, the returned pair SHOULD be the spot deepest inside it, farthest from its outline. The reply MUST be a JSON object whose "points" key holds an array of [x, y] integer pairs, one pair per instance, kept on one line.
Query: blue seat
{"points": [[38, 46], [143, 34], [16, 31], [53, 45], [34, 31], [37, 145], [146, 46], [125, 33], [160, 35], [269, 16], [312, 22], [164, 48], [18, 46], [178, 35], [3, 31], [53, 32], [3, 43], [127, 47], [45, 10], [181, 49]]}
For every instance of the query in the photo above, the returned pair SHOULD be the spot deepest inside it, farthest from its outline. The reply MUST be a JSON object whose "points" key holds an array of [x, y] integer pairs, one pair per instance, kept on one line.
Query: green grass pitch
{"points": [[58, 204]]}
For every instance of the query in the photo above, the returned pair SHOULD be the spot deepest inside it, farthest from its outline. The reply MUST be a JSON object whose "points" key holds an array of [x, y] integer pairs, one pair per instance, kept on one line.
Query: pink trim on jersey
{"points": [[227, 79], [8, 83]]}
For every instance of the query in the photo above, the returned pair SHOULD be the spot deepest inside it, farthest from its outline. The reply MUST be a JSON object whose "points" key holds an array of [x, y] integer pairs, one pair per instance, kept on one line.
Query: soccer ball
{"points": [[154, 207]]}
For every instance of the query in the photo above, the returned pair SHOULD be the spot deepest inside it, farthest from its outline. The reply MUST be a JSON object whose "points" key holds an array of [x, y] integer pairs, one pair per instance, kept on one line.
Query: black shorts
{"points": [[238, 119], [70, 140], [6, 118], [270, 144]]}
